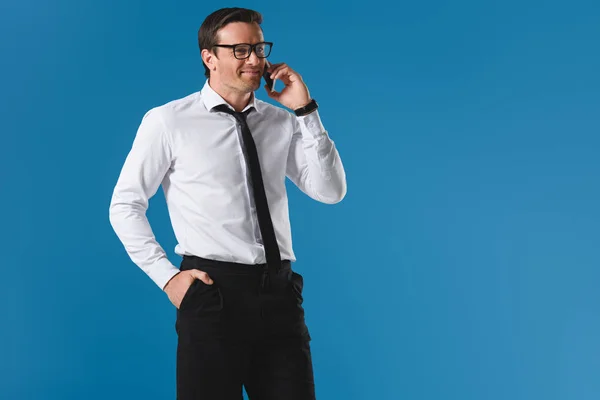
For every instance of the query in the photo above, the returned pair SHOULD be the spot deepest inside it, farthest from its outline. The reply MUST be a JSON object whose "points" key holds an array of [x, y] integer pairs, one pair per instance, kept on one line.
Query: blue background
{"points": [[463, 263]]}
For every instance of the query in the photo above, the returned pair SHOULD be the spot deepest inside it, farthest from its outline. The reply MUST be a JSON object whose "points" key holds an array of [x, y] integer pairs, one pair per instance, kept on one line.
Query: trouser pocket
{"points": [[201, 298], [199, 316]]}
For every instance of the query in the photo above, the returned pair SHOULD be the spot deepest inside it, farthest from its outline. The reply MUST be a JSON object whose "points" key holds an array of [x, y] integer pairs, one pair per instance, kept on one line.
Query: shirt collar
{"points": [[212, 99]]}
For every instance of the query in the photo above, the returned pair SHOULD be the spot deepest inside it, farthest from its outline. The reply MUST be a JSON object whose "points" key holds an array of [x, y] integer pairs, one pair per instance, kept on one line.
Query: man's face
{"points": [[241, 76]]}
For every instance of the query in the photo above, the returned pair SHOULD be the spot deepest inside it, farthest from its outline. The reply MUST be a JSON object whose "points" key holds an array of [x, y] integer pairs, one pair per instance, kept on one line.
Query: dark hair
{"points": [[207, 34]]}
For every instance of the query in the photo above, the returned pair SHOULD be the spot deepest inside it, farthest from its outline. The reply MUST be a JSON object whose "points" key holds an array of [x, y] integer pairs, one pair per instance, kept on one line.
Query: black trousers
{"points": [[233, 334]]}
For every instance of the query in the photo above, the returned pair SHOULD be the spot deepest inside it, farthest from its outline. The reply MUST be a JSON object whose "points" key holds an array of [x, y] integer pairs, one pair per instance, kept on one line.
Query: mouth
{"points": [[251, 73]]}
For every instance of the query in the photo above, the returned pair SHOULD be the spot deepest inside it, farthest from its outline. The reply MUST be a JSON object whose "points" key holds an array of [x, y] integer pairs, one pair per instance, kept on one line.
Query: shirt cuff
{"points": [[162, 271], [311, 125]]}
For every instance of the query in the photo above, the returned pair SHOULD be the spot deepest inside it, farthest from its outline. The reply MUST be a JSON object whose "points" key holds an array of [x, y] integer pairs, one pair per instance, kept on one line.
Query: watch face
{"points": [[309, 105], [307, 108]]}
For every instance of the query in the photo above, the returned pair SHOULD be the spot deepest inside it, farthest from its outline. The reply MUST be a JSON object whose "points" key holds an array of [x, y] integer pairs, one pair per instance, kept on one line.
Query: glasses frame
{"points": [[252, 49]]}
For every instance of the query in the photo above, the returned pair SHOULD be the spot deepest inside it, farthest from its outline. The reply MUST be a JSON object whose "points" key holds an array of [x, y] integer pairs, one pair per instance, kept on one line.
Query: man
{"points": [[222, 157]]}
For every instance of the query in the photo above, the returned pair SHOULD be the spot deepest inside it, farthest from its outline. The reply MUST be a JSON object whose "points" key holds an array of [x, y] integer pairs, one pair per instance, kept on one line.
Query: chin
{"points": [[249, 86]]}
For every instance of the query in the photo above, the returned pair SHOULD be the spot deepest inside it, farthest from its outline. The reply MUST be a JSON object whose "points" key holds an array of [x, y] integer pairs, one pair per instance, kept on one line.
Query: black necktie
{"points": [[260, 198]]}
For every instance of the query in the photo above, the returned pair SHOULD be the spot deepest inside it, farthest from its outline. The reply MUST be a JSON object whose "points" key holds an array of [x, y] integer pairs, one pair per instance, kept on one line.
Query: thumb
{"points": [[272, 94], [203, 276]]}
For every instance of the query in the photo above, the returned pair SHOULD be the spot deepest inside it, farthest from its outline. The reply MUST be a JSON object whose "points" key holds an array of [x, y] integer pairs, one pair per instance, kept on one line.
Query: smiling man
{"points": [[222, 156]]}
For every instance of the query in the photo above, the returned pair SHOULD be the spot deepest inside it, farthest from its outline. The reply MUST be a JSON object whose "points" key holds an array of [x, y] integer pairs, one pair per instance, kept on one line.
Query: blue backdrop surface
{"points": [[463, 263]]}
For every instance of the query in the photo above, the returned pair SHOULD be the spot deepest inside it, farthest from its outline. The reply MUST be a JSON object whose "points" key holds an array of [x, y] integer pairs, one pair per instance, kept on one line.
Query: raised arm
{"points": [[314, 164]]}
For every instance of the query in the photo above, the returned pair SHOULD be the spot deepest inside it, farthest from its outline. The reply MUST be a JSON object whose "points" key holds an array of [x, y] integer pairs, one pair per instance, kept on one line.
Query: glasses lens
{"points": [[241, 51], [263, 50]]}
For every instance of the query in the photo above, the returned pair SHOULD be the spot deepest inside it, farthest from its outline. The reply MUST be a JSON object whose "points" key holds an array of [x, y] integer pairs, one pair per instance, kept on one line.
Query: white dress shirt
{"points": [[196, 153]]}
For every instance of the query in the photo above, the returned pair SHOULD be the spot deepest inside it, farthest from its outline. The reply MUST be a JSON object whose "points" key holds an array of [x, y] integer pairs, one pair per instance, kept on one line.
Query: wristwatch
{"points": [[307, 109]]}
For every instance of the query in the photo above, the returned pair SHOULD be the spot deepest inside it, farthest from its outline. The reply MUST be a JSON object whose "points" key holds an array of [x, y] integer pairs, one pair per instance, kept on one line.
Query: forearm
{"points": [[319, 169], [133, 229]]}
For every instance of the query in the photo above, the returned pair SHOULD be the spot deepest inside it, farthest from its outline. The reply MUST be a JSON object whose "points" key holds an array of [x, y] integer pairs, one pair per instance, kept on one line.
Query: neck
{"points": [[238, 100]]}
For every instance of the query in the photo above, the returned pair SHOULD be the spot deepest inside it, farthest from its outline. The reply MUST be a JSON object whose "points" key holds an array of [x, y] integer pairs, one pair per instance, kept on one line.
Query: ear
{"points": [[208, 59]]}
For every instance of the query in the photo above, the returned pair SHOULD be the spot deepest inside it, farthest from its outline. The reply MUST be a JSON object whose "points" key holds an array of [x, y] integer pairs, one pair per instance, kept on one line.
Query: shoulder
{"points": [[274, 112], [172, 111]]}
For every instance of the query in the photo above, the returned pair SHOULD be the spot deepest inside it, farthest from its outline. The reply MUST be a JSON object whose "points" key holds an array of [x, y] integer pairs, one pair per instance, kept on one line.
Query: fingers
{"points": [[284, 73], [272, 67], [203, 276]]}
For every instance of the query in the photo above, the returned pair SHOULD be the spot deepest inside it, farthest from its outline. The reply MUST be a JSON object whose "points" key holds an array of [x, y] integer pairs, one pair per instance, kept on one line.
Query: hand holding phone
{"points": [[294, 94]]}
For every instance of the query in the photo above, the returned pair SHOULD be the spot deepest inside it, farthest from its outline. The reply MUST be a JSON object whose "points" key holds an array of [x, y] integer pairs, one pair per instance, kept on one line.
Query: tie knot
{"points": [[237, 115]]}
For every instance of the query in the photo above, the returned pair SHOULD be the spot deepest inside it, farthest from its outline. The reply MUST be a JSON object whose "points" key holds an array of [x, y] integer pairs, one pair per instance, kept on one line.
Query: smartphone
{"points": [[267, 77]]}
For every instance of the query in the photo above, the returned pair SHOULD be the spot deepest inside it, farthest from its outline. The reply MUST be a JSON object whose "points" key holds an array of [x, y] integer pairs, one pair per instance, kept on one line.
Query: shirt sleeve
{"points": [[314, 164], [141, 175]]}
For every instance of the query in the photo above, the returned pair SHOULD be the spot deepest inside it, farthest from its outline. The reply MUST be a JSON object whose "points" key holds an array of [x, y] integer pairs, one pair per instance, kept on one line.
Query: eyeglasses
{"points": [[241, 51]]}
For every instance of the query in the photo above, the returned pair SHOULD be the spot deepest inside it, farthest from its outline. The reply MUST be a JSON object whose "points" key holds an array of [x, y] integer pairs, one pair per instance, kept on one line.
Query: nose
{"points": [[253, 59]]}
